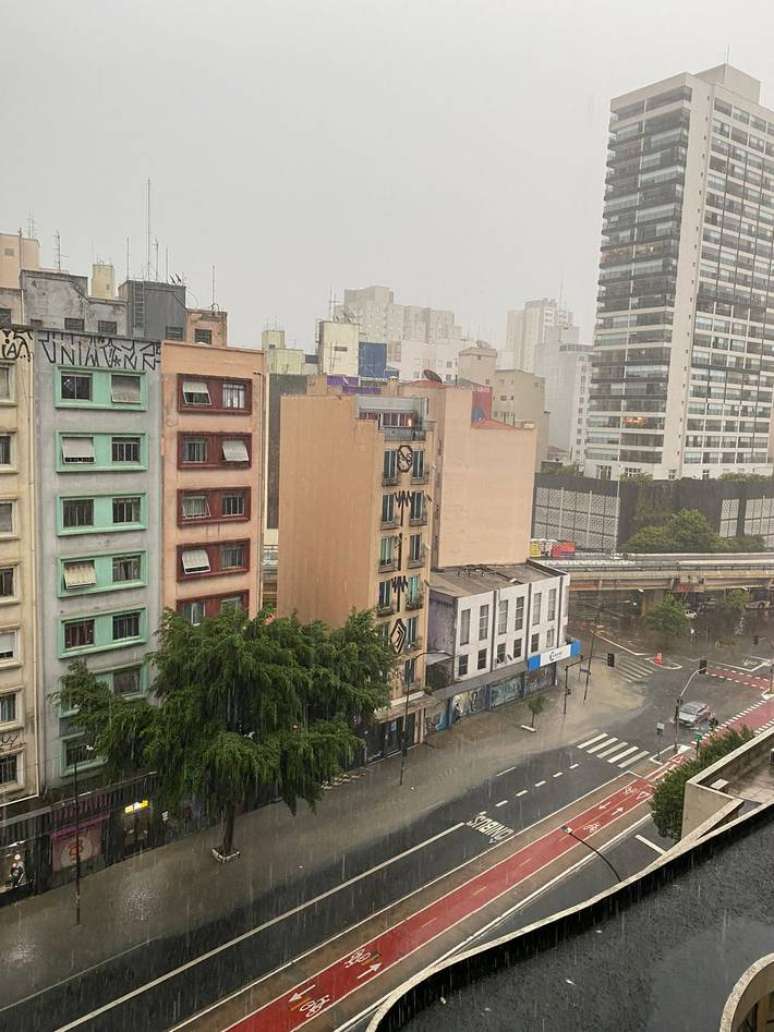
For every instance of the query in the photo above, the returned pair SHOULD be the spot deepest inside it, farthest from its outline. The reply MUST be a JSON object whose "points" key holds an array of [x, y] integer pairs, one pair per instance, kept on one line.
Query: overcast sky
{"points": [[452, 151]]}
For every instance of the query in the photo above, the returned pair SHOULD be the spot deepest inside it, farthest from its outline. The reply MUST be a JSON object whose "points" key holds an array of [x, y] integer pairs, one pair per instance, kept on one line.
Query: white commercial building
{"points": [[683, 359], [567, 376], [540, 324]]}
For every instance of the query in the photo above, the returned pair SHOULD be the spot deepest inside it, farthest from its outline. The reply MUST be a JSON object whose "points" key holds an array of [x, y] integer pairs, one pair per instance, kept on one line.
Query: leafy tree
{"points": [[689, 531], [667, 621], [536, 704], [242, 704], [742, 543], [667, 802]]}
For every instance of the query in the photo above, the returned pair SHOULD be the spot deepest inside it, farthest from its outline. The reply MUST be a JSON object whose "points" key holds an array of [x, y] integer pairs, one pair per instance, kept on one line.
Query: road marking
{"points": [[539, 783], [506, 771], [591, 741], [602, 745], [118, 1001], [501, 803], [558, 774], [620, 755], [574, 765], [523, 792], [633, 759], [647, 842], [612, 749]]}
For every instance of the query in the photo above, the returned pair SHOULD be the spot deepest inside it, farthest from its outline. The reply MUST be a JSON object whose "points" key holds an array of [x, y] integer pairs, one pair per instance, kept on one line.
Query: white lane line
{"points": [[558, 774], [620, 755], [506, 771], [602, 745], [610, 749], [633, 759], [501, 803], [539, 783], [195, 961], [523, 792], [591, 741], [574, 765], [647, 842]]}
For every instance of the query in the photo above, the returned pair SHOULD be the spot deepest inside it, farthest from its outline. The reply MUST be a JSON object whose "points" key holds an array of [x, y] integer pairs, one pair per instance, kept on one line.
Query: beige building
{"points": [[354, 527], [16, 253], [338, 348], [213, 433], [20, 775], [206, 326], [483, 480]]}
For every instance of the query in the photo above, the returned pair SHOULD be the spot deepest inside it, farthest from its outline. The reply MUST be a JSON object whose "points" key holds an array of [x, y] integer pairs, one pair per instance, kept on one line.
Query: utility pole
{"points": [[678, 700]]}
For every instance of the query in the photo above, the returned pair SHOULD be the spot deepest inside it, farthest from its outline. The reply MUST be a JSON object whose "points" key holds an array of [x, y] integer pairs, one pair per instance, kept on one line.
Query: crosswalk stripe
{"points": [[612, 749], [602, 745], [620, 755], [634, 759], [591, 741]]}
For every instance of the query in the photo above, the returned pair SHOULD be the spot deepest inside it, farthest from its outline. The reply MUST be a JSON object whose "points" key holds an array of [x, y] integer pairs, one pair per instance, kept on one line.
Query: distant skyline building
{"points": [[542, 323], [683, 360]]}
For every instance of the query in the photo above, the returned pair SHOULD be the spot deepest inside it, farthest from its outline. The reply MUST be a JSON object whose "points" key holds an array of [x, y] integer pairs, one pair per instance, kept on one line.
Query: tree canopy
{"points": [[667, 802], [689, 531], [242, 703], [667, 620]]}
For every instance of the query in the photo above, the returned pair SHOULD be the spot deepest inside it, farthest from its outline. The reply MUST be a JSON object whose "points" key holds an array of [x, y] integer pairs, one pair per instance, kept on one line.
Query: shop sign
{"points": [[64, 846], [554, 655]]}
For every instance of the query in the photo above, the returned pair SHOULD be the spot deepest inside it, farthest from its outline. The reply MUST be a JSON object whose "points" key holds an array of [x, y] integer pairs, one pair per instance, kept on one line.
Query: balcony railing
{"points": [[415, 601], [389, 523], [385, 565], [404, 433], [419, 560], [419, 520], [385, 608]]}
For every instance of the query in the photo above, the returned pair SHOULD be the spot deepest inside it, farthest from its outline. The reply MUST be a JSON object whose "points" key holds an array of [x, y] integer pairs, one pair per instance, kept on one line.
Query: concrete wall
{"points": [[279, 385], [163, 305], [52, 297], [213, 321], [16, 253], [338, 348]]}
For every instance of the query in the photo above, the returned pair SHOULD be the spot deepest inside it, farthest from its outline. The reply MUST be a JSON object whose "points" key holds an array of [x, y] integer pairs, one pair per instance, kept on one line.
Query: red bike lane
{"points": [[328, 987]]}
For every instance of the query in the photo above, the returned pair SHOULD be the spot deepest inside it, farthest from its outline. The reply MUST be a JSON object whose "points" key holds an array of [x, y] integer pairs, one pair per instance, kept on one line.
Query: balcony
{"points": [[386, 565], [419, 520], [389, 524], [414, 562], [404, 433], [415, 601], [413, 646], [385, 608], [390, 479]]}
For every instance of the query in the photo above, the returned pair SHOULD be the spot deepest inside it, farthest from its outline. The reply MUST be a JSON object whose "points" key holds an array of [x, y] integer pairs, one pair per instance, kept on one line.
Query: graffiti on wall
{"points": [[80, 349]]}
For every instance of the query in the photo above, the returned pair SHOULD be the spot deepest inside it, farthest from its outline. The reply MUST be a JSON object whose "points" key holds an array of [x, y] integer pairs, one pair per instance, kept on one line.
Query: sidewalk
{"points": [[178, 888]]}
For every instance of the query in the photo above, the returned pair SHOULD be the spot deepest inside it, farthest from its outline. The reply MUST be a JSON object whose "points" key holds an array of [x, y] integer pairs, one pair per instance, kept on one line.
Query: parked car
{"points": [[694, 713]]}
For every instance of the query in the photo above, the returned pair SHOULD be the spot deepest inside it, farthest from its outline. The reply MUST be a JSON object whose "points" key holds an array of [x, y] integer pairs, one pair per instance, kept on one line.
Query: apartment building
{"points": [[61, 301], [354, 528], [539, 326], [380, 319], [683, 360], [505, 631], [567, 378], [20, 776], [212, 440]]}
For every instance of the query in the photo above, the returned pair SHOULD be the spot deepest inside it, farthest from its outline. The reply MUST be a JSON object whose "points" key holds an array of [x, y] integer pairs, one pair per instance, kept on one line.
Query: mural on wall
{"points": [[405, 458], [80, 349]]}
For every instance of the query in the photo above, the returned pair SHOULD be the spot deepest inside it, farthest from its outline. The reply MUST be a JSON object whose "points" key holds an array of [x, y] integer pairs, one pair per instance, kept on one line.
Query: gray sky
{"points": [[451, 150]]}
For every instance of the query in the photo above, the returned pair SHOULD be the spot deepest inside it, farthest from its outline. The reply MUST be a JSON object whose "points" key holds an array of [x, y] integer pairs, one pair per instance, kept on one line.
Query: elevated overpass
{"points": [[678, 572]]}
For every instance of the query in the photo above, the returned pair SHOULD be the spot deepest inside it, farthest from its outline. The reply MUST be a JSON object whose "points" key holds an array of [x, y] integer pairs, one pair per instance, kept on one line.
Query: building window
{"points": [[481, 664], [75, 325], [483, 623], [234, 395], [125, 389], [126, 625], [385, 594], [418, 465], [534, 643], [78, 633], [193, 612], [79, 574], [195, 507], [411, 631], [195, 449], [232, 557], [173, 333], [6, 517], [202, 336], [5, 318], [604, 472], [550, 638], [462, 666], [78, 451], [196, 392], [516, 648], [126, 510], [518, 620], [75, 386], [388, 508], [385, 551], [7, 708], [551, 614], [9, 769], [464, 627], [415, 548], [233, 602], [501, 652], [126, 568], [537, 605], [78, 512], [417, 507], [390, 468], [127, 681], [75, 751], [502, 617], [233, 505], [5, 450], [409, 671], [107, 326], [6, 383], [7, 589], [195, 560], [235, 450], [125, 449]]}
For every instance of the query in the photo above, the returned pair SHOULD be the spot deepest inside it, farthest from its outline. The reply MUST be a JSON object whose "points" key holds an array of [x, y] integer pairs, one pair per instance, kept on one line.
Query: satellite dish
{"points": [[430, 375]]}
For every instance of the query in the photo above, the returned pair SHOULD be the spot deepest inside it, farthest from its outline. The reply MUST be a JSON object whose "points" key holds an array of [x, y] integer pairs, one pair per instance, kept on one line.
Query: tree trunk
{"points": [[533, 719], [228, 831]]}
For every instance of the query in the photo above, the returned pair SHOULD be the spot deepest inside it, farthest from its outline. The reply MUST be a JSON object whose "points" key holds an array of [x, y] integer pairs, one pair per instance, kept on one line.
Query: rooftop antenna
{"points": [[58, 250], [166, 265], [728, 53], [128, 256], [148, 229], [213, 289], [31, 226], [156, 247]]}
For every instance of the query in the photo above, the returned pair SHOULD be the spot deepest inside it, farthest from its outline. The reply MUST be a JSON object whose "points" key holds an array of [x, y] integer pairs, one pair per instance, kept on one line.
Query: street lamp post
{"points": [[404, 735], [678, 700], [89, 748], [568, 831]]}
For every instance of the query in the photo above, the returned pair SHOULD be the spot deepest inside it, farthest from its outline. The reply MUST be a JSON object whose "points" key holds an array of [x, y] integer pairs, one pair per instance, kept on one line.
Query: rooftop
{"points": [[462, 581]]}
